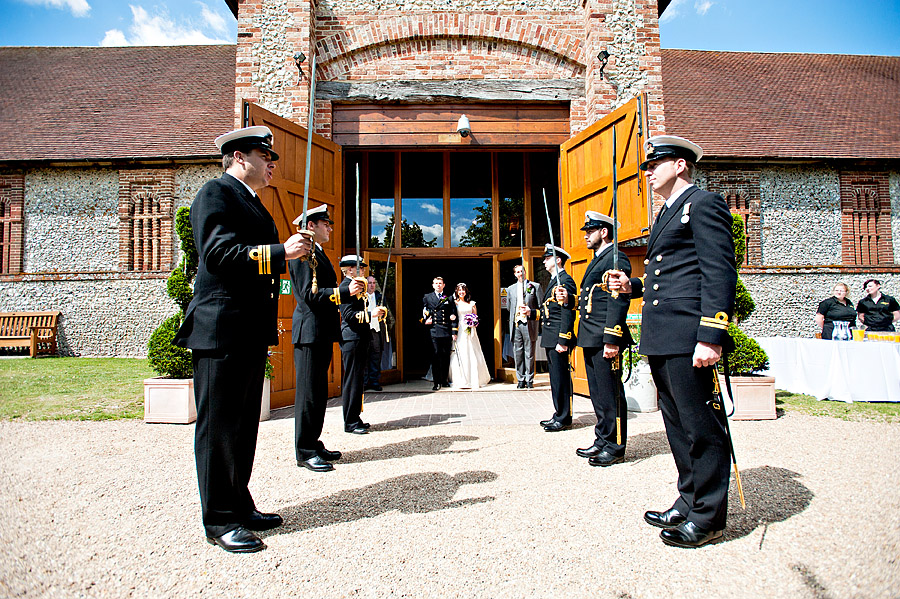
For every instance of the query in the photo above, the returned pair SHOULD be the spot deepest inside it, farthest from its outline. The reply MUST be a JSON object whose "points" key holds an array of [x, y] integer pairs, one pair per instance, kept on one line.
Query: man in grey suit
{"points": [[523, 331]]}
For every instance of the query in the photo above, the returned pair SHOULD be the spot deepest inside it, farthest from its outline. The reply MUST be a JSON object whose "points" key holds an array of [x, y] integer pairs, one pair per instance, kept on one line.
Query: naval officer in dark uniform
{"points": [[356, 332], [316, 326], [688, 291], [228, 326], [602, 336], [439, 314], [557, 337]]}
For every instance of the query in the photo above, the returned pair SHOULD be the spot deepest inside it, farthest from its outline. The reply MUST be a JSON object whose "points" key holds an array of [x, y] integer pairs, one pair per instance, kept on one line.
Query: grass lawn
{"points": [[72, 388], [807, 404]]}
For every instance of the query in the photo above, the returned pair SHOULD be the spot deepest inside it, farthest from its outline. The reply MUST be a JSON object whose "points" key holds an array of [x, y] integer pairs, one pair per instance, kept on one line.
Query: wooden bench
{"points": [[34, 330]]}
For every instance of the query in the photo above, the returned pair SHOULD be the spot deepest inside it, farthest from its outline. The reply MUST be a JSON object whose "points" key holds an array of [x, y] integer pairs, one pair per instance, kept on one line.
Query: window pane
{"points": [[381, 197], [422, 199], [542, 169], [511, 184], [471, 212]]}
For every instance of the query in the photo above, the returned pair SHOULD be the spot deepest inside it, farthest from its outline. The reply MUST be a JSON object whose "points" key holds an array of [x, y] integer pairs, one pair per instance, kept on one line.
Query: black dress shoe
{"points": [[521, 385], [547, 422], [239, 540], [689, 535], [316, 464], [604, 458], [588, 452], [329, 456], [365, 425], [259, 521], [529, 385], [436, 387], [376, 388], [555, 427], [357, 430], [667, 519]]}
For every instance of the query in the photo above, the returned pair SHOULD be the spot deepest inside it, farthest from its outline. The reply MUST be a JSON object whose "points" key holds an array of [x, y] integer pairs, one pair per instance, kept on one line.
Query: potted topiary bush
{"points": [[170, 396], [754, 394], [640, 390]]}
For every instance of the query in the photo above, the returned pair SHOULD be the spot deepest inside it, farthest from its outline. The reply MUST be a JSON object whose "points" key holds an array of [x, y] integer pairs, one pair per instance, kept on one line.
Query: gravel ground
{"points": [[111, 509]]}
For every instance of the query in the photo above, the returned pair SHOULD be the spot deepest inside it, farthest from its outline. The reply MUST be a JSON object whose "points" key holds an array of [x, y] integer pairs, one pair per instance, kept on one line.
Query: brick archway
{"points": [[533, 42]]}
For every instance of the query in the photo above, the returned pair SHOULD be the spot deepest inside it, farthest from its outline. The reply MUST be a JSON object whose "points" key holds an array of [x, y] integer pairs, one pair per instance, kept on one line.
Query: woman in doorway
{"points": [[468, 370]]}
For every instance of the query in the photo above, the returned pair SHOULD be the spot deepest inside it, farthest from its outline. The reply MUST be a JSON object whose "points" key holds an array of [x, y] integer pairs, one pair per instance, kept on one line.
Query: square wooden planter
{"points": [[754, 397], [169, 401]]}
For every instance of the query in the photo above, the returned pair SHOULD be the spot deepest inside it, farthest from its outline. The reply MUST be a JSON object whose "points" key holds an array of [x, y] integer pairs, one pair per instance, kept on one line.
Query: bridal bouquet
{"points": [[470, 320]]}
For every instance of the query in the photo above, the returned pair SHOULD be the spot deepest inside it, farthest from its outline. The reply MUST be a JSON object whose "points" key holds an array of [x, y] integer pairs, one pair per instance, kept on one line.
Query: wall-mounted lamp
{"points": [[462, 126], [299, 57], [603, 57]]}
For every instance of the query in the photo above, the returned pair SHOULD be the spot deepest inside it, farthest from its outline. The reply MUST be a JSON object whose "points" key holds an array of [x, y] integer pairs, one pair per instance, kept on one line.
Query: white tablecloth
{"points": [[840, 370]]}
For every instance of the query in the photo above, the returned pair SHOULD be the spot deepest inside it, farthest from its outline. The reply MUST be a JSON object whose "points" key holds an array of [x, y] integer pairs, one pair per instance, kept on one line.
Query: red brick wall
{"points": [[12, 201], [866, 219], [740, 188], [146, 219], [433, 45]]}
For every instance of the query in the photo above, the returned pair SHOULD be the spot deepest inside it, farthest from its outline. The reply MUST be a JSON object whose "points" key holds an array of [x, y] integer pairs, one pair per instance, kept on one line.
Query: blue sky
{"points": [[831, 26]]}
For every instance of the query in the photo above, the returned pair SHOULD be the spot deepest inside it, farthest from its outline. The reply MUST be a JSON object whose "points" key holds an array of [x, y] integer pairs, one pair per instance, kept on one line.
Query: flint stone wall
{"points": [[71, 261]]}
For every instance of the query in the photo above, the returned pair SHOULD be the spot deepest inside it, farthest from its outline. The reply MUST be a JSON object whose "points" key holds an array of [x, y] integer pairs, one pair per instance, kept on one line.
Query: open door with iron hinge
{"points": [[283, 198], [586, 171]]}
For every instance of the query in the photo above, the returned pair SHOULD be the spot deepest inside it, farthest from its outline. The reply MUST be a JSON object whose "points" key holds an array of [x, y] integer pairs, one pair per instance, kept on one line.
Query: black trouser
{"points": [[602, 383], [311, 363], [354, 359], [440, 369], [228, 393], [376, 346], [560, 385], [697, 438]]}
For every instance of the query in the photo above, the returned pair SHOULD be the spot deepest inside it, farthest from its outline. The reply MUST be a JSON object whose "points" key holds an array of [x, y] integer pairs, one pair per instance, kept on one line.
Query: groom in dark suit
{"points": [[228, 326], [439, 314]]}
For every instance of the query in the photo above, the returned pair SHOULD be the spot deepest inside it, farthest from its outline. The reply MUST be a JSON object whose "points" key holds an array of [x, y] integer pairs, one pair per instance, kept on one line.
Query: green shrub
{"points": [[748, 357], [166, 359], [744, 305]]}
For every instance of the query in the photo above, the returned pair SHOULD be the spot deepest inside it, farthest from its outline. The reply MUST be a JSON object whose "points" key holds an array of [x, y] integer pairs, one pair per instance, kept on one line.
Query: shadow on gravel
{"points": [[410, 493], [772, 495], [435, 445], [641, 447], [415, 421]]}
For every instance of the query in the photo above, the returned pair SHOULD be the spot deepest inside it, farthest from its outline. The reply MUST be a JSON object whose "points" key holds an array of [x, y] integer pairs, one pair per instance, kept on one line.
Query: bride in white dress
{"points": [[468, 369]]}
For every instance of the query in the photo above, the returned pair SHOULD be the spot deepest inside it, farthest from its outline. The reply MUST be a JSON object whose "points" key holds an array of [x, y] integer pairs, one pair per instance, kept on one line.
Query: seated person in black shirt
{"points": [[836, 308], [877, 311]]}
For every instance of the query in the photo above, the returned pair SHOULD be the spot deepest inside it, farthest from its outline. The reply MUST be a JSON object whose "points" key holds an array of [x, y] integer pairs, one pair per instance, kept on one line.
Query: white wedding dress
{"points": [[468, 370]]}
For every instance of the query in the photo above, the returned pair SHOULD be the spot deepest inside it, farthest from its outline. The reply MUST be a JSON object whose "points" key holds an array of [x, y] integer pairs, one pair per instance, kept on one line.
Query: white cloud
{"points": [[432, 208], [79, 8], [672, 11], [158, 30], [381, 213], [213, 19], [114, 37], [703, 6], [433, 231]]}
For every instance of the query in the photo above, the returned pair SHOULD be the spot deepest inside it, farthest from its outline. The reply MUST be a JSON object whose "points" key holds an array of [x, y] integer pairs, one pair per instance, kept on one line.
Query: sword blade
{"points": [[309, 134], [615, 203], [358, 224]]}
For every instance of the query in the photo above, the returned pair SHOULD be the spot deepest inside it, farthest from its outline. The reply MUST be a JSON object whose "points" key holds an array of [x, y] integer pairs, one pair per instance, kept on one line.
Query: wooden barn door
{"points": [[586, 162], [283, 198]]}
